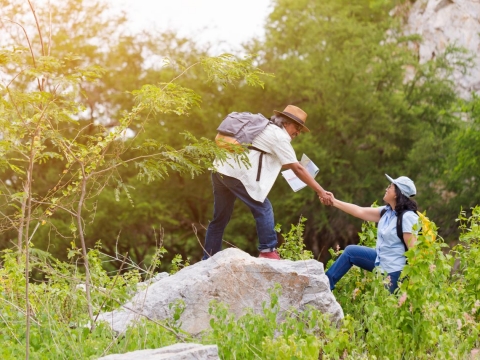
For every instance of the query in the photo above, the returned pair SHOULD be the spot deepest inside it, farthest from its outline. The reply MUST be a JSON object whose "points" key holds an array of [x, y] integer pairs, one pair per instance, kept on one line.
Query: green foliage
{"points": [[226, 69], [254, 336], [368, 235], [434, 314], [451, 161], [62, 327], [293, 247], [468, 254], [178, 263]]}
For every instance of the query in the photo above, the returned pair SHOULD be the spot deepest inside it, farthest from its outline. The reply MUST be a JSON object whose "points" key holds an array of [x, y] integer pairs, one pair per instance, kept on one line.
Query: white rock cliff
{"points": [[449, 22]]}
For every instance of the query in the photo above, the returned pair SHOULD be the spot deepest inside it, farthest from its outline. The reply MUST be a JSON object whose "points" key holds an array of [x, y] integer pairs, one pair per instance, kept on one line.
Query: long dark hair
{"points": [[404, 203]]}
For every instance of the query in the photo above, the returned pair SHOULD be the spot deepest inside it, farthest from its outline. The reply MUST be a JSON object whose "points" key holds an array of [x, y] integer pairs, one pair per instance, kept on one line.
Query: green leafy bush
{"points": [[178, 263], [60, 326], [254, 336], [293, 247]]}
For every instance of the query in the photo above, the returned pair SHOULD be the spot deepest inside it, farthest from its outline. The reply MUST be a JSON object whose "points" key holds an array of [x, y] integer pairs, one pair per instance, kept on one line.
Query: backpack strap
{"points": [[384, 210], [400, 228], [260, 160]]}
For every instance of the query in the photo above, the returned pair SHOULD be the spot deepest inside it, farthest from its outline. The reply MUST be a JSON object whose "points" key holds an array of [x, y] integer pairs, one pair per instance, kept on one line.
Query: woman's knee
{"points": [[350, 249]]}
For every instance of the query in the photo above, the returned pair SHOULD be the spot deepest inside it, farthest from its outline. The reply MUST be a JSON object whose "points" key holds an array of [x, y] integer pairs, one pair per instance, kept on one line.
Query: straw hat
{"points": [[296, 114]]}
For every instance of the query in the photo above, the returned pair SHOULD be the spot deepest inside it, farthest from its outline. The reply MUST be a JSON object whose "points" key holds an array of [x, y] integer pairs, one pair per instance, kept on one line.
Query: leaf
{"points": [[16, 169], [73, 227]]}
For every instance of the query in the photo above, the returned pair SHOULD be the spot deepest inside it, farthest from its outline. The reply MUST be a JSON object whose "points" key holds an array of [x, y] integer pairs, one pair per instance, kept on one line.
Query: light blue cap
{"points": [[405, 184]]}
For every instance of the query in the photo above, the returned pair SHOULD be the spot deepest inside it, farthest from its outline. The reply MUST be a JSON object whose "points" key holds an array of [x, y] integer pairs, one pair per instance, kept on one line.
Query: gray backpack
{"points": [[241, 128]]}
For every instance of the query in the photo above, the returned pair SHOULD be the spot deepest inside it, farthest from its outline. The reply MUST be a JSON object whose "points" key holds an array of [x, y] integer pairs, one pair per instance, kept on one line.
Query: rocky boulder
{"points": [[235, 278]]}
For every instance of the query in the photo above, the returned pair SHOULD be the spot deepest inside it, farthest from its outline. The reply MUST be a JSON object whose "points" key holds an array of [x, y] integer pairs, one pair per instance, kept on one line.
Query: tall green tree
{"points": [[40, 121], [448, 168]]}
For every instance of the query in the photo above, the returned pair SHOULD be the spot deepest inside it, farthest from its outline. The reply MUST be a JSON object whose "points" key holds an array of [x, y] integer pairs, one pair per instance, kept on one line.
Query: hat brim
{"points": [[294, 118], [390, 179]]}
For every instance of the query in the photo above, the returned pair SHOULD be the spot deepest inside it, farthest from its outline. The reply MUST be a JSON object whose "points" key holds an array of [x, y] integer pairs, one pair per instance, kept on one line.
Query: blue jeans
{"points": [[225, 191], [361, 256]]}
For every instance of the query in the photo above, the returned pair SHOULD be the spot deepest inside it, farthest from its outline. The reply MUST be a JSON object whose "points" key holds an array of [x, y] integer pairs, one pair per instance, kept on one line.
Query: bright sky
{"points": [[224, 23]]}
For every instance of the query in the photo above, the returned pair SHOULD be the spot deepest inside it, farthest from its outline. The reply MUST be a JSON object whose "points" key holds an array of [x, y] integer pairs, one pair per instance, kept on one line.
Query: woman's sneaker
{"points": [[270, 255]]}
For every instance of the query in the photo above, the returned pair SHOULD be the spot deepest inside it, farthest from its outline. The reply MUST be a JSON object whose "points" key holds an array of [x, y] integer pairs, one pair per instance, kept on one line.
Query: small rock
{"points": [[181, 351]]}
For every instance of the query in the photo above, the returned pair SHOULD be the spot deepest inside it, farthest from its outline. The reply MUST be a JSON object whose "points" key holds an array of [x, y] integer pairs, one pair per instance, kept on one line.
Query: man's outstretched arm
{"points": [[305, 176]]}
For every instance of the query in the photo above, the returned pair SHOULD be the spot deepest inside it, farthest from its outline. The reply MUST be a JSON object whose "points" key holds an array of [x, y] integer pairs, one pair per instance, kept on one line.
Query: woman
{"points": [[388, 254]]}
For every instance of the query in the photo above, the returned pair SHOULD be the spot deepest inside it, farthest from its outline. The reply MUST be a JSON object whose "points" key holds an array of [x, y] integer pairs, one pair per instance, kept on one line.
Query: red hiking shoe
{"points": [[270, 255]]}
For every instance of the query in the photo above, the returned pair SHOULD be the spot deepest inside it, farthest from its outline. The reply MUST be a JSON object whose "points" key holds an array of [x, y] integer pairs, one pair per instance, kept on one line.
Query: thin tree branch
{"points": [[49, 28], [10, 83], [38, 26], [125, 161], [56, 205], [29, 45], [183, 72], [84, 246]]}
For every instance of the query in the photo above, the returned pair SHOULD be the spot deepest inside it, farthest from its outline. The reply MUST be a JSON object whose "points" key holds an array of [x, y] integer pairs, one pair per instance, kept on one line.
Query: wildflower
{"points": [[475, 307], [467, 317], [402, 299], [459, 324], [432, 267], [428, 228], [356, 292]]}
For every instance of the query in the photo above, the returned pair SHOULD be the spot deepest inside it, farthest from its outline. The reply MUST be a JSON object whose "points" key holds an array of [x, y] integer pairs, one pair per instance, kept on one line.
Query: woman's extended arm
{"points": [[409, 239], [364, 213]]}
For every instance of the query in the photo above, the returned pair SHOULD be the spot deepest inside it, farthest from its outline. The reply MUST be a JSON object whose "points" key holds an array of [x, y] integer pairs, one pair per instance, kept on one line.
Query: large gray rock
{"points": [[235, 278], [449, 22], [173, 352]]}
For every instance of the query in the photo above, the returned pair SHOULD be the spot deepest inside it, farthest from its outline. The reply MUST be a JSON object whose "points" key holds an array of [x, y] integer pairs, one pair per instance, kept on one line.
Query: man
{"points": [[234, 180]]}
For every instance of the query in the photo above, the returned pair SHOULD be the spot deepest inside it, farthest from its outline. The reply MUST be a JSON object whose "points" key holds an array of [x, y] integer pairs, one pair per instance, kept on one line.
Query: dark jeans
{"points": [[362, 256], [225, 191]]}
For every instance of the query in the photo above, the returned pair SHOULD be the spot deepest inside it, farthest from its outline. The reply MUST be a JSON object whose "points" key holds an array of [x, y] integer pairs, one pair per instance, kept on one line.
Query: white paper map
{"points": [[292, 179]]}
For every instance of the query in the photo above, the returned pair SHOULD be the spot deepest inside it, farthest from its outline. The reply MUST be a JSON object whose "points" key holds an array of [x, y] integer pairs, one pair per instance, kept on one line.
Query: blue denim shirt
{"points": [[389, 248]]}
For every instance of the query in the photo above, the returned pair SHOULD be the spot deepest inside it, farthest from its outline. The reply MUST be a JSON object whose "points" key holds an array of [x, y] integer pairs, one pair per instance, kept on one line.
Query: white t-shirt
{"points": [[276, 142]]}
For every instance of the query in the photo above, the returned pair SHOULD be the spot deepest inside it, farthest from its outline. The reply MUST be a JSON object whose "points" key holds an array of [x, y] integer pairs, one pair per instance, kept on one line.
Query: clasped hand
{"points": [[326, 198]]}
